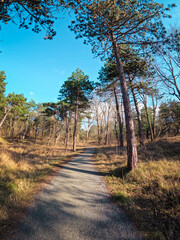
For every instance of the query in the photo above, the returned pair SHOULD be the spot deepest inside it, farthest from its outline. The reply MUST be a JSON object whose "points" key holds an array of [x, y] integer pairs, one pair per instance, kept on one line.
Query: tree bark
{"points": [[12, 128], [107, 127], [36, 131], [43, 127], [141, 138], [88, 129], [130, 133], [57, 138], [121, 138], [154, 117], [75, 123], [98, 125], [148, 120], [25, 129], [68, 121], [5, 116]]}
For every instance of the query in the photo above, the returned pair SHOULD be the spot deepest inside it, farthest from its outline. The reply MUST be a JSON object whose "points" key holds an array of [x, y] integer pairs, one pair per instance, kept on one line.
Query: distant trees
{"points": [[14, 105], [50, 122], [169, 118], [75, 92], [108, 76], [121, 31], [2, 97], [63, 121]]}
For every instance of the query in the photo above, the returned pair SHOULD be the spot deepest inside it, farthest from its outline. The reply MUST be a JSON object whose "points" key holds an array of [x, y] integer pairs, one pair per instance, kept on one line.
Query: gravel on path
{"points": [[75, 205]]}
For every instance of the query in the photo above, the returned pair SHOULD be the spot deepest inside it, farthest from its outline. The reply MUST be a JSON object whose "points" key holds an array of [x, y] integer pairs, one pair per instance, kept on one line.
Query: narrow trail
{"points": [[75, 205]]}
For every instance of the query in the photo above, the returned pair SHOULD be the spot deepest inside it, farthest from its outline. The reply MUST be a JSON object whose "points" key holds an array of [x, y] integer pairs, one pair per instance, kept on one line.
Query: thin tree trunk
{"points": [[43, 125], [121, 141], [57, 137], [154, 117], [98, 126], [107, 127], [25, 129], [116, 132], [141, 138], [68, 121], [36, 131], [148, 120], [12, 128], [75, 123], [130, 133], [5, 116]]}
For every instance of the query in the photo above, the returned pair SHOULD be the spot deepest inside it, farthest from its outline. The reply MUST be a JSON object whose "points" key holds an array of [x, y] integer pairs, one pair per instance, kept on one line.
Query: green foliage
{"points": [[109, 72], [34, 14], [2, 89], [59, 109], [169, 117], [144, 119], [78, 85], [30, 14], [136, 23], [18, 103]]}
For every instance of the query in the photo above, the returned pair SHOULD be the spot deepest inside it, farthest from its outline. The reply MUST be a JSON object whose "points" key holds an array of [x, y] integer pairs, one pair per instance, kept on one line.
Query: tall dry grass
{"points": [[151, 193], [23, 166]]}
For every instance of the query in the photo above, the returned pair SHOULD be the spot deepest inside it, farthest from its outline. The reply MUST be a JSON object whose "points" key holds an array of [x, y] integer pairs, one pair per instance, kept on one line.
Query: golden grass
{"points": [[23, 166], [151, 193]]}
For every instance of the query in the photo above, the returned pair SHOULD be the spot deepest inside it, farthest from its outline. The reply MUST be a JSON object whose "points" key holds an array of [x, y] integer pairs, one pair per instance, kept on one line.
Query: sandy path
{"points": [[76, 206]]}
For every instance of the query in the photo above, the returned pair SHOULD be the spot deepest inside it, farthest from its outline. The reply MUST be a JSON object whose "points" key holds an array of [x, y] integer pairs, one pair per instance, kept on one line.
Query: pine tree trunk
{"points": [[154, 117], [116, 132], [5, 116], [25, 129], [57, 138], [98, 126], [141, 138], [43, 126], [68, 121], [36, 131], [130, 133], [12, 128], [121, 141], [148, 120], [75, 124], [107, 128]]}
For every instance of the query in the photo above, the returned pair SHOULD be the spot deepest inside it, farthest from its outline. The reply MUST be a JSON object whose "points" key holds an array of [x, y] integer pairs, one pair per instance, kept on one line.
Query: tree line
{"points": [[139, 56]]}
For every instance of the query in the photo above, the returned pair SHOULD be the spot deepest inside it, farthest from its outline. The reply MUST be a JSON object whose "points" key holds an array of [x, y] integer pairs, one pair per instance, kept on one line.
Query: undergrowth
{"points": [[23, 167], [151, 193]]}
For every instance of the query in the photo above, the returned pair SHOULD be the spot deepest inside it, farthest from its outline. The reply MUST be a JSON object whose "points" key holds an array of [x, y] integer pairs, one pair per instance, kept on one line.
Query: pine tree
{"points": [[109, 25], [34, 14], [76, 91]]}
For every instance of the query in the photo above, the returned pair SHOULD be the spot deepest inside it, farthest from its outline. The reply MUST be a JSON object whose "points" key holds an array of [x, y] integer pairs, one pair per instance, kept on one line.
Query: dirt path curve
{"points": [[76, 206]]}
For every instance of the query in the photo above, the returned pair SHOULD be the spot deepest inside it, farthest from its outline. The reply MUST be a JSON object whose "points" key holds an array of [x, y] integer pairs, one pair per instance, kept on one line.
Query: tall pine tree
{"points": [[108, 25]]}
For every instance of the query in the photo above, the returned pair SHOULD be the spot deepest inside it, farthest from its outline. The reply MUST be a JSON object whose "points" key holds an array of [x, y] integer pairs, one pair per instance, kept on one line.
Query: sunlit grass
{"points": [[150, 194], [23, 166]]}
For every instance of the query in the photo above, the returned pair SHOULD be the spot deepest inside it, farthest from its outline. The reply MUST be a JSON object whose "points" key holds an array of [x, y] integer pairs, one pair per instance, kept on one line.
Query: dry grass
{"points": [[150, 194], [23, 166]]}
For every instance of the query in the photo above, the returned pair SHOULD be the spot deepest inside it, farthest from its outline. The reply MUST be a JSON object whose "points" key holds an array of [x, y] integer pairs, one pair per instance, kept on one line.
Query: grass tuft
{"points": [[23, 166], [151, 193]]}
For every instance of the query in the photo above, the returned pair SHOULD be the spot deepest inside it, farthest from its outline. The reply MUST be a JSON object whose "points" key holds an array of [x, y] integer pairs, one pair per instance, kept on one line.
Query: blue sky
{"points": [[38, 67]]}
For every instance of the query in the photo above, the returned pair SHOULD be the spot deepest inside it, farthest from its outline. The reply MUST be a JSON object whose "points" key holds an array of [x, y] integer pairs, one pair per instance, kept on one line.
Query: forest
{"points": [[130, 115]]}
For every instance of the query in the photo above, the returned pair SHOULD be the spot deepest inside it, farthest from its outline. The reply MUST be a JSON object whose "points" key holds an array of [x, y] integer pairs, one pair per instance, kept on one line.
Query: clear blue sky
{"points": [[37, 67]]}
